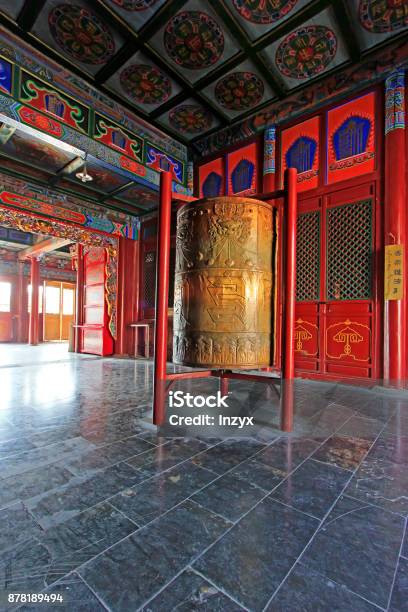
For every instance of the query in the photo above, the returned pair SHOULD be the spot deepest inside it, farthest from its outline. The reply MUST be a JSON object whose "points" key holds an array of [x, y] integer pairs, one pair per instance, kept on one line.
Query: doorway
{"points": [[58, 310]]}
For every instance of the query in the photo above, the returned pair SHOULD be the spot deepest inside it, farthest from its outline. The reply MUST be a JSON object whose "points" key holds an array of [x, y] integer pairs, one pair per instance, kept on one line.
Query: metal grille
{"points": [[149, 279], [308, 257], [349, 251]]}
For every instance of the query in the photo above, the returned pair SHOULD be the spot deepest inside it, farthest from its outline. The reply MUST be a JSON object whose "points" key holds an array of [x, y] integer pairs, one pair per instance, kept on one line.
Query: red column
{"points": [[395, 205], [269, 165], [79, 296], [33, 333], [288, 353], [21, 303], [162, 297], [122, 273]]}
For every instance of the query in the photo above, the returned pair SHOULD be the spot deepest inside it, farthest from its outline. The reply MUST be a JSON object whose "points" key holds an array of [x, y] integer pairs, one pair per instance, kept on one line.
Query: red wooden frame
{"points": [[162, 381]]}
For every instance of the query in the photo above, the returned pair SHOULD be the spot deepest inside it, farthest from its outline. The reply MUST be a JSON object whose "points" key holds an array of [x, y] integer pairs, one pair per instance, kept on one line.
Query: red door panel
{"points": [[95, 334]]}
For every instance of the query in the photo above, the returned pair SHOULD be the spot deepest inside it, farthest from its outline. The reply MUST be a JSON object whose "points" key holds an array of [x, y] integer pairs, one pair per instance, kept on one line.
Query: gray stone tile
{"points": [[382, 483], [344, 451], [229, 496], [361, 427], [32, 483], [142, 564], [399, 598], [266, 477], [358, 547], [16, 525], [24, 568], [287, 453], [404, 550], [54, 508], [309, 591], [252, 559], [76, 597], [312, 488], [40, 457], [150, 499], [391, 448], [81, 538], [226, 455], [13, 447], [171, 453], [189, 592]]}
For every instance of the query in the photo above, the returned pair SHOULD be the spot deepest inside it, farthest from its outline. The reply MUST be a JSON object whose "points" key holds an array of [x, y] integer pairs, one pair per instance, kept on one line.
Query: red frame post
{"points": [[33, 331], [288, 356], [162, 297], [79, 297], [395, 205]]}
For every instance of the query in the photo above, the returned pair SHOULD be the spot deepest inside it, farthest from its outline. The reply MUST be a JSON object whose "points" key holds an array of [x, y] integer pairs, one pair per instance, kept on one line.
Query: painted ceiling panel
{"points": [[35, 152], [240, 90], [378, 20], [135, 12], [189, 119], [259, 17], [11, 8], [197, 66], [143, 83], [79, 33], [308, 51], [195, 40], [140, 196]]}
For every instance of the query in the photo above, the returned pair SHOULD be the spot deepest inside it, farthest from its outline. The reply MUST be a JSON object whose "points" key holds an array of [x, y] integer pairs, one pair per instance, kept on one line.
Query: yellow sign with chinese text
{"points": [[394, 272]]}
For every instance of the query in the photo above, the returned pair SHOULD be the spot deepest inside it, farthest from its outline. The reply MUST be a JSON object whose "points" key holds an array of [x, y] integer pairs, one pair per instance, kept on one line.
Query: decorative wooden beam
{"points": [[44, 246]]}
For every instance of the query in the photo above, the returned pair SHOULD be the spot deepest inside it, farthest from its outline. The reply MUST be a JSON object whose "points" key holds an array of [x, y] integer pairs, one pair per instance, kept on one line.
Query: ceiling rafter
{"points": [[29, 13], [347, 29], [246, 46]]}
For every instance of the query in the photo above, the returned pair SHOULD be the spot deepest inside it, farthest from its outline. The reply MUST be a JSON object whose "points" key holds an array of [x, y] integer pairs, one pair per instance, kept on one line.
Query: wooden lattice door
{"points": [[336, 328]]}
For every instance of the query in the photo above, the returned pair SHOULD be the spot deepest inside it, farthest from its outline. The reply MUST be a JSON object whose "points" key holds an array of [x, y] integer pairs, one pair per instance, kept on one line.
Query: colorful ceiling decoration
{"points": [[306, 52], [239, 91], [145, 84], [190, 67], [379, 16], [190, 119], [194, 40], [135, 5], [81, 34], [264, 11]]}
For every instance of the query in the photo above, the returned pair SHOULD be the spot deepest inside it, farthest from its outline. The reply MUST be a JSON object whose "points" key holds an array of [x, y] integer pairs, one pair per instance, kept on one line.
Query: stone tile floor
{"points": [[99, 509]]}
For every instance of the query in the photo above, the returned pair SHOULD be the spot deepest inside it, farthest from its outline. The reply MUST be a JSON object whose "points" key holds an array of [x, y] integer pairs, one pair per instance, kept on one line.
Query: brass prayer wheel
{"points": [[223, 285]]}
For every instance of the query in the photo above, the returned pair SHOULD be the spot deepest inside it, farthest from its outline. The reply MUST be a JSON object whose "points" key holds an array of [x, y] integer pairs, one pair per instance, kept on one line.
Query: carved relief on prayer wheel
{"points": [[223, 286]]}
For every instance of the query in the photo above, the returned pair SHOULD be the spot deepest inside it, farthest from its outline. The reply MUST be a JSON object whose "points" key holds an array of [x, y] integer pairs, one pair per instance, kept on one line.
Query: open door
{"points": [[58, 309], [6, 316]]}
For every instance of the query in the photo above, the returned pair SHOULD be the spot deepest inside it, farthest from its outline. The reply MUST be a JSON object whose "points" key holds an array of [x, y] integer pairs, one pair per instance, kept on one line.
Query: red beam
{"points": [[162, 297]]}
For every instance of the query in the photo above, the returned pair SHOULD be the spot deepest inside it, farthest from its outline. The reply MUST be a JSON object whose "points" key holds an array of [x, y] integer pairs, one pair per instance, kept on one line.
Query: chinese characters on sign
{"points": [[394, 272]]}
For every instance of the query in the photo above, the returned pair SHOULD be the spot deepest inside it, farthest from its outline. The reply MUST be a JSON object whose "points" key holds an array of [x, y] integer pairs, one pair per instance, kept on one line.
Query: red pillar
{"points": [[33, 333], [288, 356], [395, 205], [121, 337], [79, 296], [21, 302], [269, 166], [162, 298]]}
